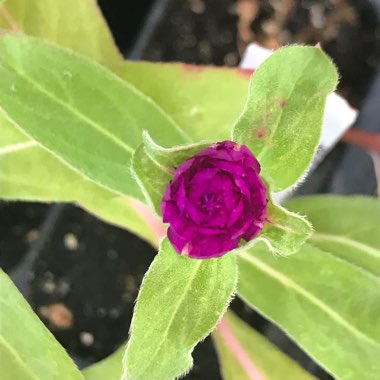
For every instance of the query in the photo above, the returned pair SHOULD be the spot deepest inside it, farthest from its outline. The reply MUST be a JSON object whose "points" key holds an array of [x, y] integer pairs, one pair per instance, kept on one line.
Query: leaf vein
{"points": [[279, 117], [181, 300], [17, 357], [17, 147], [346, 241], [75, 112], [291, 284]]}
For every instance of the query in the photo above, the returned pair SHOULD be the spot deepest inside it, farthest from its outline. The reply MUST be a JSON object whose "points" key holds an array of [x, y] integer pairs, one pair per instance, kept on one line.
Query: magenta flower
{"points": [[214, 200]]}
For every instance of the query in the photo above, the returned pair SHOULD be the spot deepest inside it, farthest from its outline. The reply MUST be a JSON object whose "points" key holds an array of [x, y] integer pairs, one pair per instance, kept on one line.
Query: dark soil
{"points": [[86, 277], [217, 32], [196, 31], [19, 224], [125, 18], [92, 271]]}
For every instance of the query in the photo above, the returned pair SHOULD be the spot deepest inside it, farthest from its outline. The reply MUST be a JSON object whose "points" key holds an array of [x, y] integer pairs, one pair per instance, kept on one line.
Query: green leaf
{"points": [[327, 295], [153, 167], [28, 351], [282, 119], [54, 20], [356, 238], [27, 170], [284, 232], [245, 354], [110, 368], [180, 302], [204, 100], [47, 179], [78, 110]]}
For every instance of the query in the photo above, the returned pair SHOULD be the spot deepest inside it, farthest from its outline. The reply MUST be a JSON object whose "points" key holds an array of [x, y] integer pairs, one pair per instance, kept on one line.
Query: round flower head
{"points": [[215, 199]]}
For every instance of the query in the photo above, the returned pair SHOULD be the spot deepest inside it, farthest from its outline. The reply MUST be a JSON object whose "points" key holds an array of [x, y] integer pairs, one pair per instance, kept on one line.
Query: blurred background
{"points": [[82, 276]]}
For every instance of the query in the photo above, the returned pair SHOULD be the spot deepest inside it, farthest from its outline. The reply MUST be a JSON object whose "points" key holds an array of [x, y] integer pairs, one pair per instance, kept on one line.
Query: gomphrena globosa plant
{"points": [[187, 161]]}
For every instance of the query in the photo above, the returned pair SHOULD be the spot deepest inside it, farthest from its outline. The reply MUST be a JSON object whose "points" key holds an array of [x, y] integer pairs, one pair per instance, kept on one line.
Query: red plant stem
{"points": [[363, 139], [376, 163], [225, 331], [154, 224]]}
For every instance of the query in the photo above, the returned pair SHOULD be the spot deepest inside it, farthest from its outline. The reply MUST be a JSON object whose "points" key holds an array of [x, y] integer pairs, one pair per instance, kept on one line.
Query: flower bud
{"points": [[215, 199]]}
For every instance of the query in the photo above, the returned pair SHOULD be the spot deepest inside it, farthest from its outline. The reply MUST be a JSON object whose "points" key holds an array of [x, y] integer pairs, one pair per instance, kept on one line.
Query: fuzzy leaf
{"points": [[31, 173], [28, 351], [327, 300], [78, 110], [47, 179], [245, 354], [282, 119], [284, 231], [154, 166], [180, 302], [356, 238], [110, 368], [204, 100], [23, 176], [28, 172], [54, 20]]}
